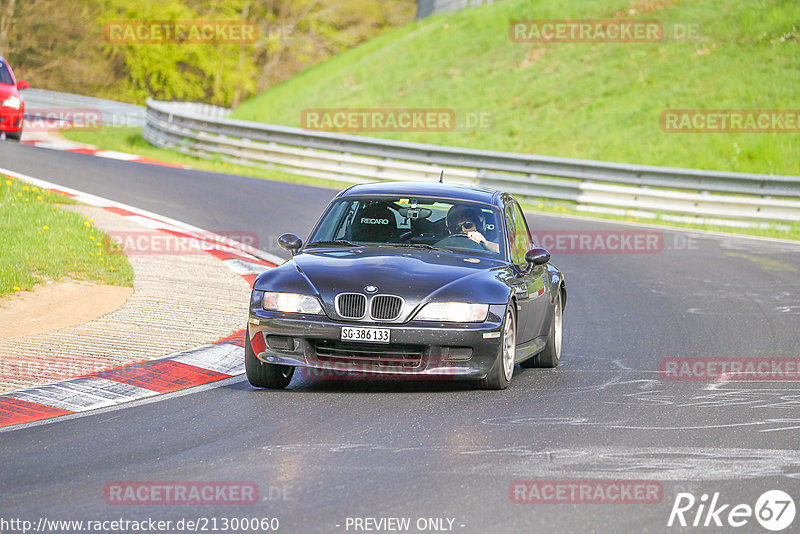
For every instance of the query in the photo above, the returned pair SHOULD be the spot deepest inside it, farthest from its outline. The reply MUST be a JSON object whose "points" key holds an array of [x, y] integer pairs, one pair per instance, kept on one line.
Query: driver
{"points": [[464, 220]]}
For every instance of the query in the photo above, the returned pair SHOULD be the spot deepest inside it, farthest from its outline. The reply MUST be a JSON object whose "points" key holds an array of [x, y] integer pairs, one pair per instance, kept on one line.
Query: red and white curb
{"points": [[78, 148], [202, 365]]}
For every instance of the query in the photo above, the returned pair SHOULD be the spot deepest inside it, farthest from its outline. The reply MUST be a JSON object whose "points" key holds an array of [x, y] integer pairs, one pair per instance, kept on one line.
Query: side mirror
{"points": [[290, 242], [537, 256], [22, 84]]}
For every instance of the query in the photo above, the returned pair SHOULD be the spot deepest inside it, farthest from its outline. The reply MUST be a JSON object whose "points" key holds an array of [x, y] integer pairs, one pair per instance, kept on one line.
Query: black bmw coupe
{"points": [[409, 278]]}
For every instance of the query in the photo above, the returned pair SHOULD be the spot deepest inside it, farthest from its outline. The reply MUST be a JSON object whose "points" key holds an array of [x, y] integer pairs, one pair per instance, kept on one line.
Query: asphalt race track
{"points": [[326, 450]]}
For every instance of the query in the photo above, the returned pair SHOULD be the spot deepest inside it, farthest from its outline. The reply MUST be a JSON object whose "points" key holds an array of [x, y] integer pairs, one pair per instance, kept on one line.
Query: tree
{"points": [[6, 18]]}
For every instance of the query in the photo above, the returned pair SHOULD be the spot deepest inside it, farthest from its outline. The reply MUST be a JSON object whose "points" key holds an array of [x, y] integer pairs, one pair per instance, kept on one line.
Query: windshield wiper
{"points": [[412, 245], [334, 242]]}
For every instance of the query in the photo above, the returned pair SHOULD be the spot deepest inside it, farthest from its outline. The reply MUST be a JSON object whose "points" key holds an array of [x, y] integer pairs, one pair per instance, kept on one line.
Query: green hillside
{"points": [[587, 100]]}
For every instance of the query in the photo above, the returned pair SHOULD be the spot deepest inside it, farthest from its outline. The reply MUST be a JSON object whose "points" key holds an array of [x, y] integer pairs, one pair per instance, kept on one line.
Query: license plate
{"points": [[371, 335]]}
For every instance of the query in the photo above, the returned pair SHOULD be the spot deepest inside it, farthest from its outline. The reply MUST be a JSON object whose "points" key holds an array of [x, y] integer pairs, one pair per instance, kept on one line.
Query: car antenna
{"points": [[441, 177]]}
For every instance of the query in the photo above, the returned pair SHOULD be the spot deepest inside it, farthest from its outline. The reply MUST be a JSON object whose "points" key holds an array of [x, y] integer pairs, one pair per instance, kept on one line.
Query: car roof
{"points": [[425, 189]]}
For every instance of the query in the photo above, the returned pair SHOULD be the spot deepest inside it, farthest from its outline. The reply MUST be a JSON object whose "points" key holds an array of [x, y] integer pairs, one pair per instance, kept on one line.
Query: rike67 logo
{"points": [[774, 510]]}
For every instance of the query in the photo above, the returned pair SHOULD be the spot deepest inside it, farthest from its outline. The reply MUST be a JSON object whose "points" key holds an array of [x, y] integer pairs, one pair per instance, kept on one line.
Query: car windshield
{"points": [[425, 223], [5, 74]]}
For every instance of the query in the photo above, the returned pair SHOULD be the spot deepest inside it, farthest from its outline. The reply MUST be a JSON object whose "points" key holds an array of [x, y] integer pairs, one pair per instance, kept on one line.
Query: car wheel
{"points": [[551, 354], [265, 375], [14, 136], [503, 369]]}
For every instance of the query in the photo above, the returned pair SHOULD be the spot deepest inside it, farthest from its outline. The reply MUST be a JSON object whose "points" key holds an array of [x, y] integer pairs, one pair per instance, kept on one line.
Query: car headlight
{"points": [[453, 312], [12, 102], [290, 303]]}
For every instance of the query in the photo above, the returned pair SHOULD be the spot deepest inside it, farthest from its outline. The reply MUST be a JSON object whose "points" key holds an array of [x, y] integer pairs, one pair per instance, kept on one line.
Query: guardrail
{"points": [[113, 113], [352, 158]]}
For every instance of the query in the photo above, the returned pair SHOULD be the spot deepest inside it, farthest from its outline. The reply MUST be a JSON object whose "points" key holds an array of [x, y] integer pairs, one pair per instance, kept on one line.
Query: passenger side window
{"points": [[511, 232], [519, 242], [523, 232]]}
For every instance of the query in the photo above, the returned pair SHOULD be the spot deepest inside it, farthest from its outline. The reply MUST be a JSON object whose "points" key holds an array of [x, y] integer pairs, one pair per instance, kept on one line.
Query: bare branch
{"points": [[6, 18]]}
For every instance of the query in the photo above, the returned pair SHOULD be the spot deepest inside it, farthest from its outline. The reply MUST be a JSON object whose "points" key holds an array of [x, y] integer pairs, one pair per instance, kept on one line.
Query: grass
{"points": [[585, 100], [129, 139], [42, 242]]}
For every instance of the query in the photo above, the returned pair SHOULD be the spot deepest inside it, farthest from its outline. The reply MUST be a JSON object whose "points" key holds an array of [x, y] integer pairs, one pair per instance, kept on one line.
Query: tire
{"points": [[265, 375], [14, 136], [551, 355], [503, 369]]}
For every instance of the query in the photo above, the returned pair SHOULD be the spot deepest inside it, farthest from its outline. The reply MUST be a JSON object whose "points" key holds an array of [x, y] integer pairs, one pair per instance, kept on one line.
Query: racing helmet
{"points": [[459, 212]]}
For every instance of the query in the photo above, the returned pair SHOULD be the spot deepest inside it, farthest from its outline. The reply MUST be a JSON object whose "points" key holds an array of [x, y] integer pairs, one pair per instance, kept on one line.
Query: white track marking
{"points": [[245, 267], [223, 358], [83, 394], [113, 154]]}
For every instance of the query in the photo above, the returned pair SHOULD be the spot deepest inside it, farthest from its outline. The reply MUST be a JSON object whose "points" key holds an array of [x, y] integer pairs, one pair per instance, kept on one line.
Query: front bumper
{"points": [[11, 119], [467, 350]]}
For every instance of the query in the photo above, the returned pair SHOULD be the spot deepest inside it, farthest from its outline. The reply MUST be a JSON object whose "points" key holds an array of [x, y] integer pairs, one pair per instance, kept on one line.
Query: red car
{"points": [[12, 105]]}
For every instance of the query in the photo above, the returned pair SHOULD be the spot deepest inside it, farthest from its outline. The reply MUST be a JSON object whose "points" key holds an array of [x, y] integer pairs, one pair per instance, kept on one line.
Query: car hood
{"points": [[415, 275]]}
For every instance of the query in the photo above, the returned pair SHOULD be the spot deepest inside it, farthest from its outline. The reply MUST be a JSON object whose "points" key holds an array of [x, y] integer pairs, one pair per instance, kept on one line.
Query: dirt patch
{"points": [[55, 305], [534, 55]]}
